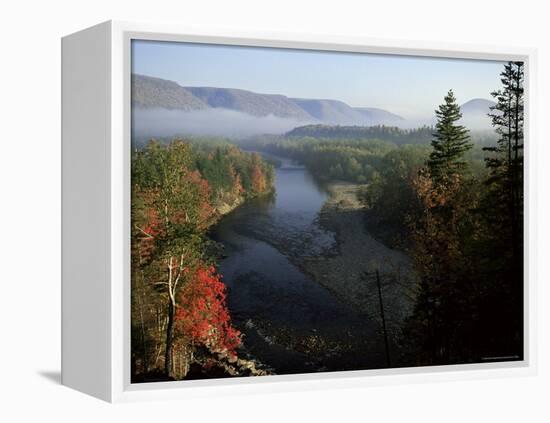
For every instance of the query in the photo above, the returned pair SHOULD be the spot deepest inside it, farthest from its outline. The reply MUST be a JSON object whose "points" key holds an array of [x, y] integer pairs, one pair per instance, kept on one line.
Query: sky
{"points": [[409, 86]]}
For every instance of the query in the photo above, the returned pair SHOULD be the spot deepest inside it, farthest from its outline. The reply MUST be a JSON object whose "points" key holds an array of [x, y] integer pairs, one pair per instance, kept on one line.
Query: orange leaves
{"points": [[258, 178], [236, 181], [438, 231], [176, 192], [202, 314], [433, 194], [204, 211]]}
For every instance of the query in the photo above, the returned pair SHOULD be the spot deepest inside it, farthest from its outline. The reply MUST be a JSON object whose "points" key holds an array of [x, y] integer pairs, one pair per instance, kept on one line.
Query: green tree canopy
{"points": [[450, 142]]}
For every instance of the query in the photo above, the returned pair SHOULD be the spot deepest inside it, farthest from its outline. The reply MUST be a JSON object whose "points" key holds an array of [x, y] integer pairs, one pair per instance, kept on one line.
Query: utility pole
{"points": [[388, 359]]}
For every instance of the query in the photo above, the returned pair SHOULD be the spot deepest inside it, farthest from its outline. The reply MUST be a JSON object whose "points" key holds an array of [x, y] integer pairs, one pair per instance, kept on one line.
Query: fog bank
{"points": [[160, 123], [150, 123]]}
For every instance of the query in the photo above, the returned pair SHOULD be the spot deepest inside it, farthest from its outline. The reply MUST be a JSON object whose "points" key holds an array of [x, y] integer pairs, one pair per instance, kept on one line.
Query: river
{"points": [[291, 324]]}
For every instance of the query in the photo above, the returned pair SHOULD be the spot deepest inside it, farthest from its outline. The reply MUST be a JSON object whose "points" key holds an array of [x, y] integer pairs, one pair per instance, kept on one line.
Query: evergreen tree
{"points": [[450, 141], [506, 164], [502, 211], [440, 234]]}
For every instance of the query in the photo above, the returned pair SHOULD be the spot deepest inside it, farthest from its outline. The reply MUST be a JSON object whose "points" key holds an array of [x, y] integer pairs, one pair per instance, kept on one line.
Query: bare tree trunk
{"points": [[168, 357], [143, 337], [173, 280], [386, 343], [160, 331]]}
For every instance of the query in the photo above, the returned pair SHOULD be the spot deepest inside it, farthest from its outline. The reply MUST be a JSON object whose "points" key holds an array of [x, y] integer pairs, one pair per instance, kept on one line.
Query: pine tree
{"points": [[450, 141], [506, 165], [439, 234], [502, 208]]}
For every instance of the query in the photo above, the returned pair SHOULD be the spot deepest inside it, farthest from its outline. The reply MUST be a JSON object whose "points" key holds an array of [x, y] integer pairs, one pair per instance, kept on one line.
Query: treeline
{"points": [[359, 161], [465, 233], [392, 134], [390, 196], [179, 317], [349, 160]]}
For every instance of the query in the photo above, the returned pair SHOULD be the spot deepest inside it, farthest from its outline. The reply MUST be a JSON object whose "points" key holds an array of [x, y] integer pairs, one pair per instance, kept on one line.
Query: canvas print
{"points": [[299, 211]]}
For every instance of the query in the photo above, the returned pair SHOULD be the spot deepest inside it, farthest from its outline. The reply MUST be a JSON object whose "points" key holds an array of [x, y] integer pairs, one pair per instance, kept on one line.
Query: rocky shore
{"points": [[349, 270]]}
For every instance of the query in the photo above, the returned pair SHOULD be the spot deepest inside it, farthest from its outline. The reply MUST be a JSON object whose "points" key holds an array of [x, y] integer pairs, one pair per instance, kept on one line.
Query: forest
{"points": [[466, 234], [180, 322], [333, 153], [392, 134], [455, 206], [447, 200]]}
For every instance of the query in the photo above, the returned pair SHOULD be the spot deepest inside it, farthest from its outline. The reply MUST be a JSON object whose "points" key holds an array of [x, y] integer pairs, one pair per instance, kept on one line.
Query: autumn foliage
{"points": [[258, 176], [202, 315], [178, 300]]}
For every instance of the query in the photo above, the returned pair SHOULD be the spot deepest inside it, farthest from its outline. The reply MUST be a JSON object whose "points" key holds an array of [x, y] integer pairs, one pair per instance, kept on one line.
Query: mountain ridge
{"points": [[156, 93], [477, 104], [152, 92]]}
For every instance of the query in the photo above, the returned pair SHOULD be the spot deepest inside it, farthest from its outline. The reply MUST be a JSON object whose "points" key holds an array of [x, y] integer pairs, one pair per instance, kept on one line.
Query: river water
{"points": [[291, 324]]}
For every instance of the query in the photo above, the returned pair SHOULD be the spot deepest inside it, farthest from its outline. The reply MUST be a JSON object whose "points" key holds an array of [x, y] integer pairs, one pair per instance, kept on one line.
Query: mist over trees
{"points": [[391, 134], [455, 205], [450, 198], [465, 232]]}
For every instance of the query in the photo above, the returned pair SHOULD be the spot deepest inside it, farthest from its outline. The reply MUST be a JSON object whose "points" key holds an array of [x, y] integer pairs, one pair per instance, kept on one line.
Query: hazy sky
{"points": [[409, 86]]}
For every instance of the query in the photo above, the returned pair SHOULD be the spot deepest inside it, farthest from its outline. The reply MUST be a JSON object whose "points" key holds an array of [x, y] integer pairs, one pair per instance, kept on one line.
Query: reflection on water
{"points": [[291, 323]]}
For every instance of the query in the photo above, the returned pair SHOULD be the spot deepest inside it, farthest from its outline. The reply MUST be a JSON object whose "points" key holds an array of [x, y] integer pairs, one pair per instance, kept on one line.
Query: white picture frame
{"points": [[96, 213]]}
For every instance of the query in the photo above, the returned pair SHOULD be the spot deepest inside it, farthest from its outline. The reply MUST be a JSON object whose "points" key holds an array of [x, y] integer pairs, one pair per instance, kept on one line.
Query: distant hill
{"points": [[477, 105], [235, 111], [149, 92], [379, 116], [475, 113], [330, 111], [249, 102]]}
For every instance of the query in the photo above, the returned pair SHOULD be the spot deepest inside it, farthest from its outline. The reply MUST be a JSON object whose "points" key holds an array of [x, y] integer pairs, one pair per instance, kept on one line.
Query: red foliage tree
{"points": [[202, 315]]}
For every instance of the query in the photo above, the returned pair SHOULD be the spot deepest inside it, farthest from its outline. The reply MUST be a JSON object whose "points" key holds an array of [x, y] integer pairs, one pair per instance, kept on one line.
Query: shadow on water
{"points": [[290, 322]]}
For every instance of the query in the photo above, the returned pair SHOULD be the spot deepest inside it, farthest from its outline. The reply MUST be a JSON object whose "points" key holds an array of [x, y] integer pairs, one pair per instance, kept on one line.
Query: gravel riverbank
{"points": [[349, 271]]}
